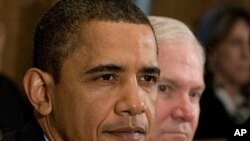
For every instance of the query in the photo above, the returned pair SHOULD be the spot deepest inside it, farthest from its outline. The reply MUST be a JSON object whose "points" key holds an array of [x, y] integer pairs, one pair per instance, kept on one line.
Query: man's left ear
{"points": [[38, 86]]}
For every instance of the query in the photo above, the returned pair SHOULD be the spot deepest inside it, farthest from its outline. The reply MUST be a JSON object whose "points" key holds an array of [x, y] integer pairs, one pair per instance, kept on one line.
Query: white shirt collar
{"points": [[46, 139], [232, 109]]}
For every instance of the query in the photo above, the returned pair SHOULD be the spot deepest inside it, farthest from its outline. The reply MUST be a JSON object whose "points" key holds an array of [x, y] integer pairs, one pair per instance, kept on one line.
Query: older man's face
{"points": [[180, 87], [108, 86]]}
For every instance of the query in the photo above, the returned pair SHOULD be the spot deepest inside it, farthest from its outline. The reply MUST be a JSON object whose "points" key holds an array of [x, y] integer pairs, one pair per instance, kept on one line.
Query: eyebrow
{"points": [[103, 68], [150, 70], [167, 80]]}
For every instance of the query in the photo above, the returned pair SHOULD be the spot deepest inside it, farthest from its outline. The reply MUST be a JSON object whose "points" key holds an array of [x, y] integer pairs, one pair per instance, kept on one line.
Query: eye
{"points": [[106, 77], [163, 88], [149, 78], [195, 94]]}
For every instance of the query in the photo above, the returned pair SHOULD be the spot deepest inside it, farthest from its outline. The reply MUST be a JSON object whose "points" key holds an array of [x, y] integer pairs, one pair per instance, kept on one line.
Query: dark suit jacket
{"points": [[214, 120], [31, 132], [15, 111]]}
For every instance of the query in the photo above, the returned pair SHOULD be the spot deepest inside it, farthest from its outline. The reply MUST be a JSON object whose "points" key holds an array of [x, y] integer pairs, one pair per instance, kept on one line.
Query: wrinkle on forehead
{"points": [[102, 39], [183, 47], [181, 56], [136, 37]]}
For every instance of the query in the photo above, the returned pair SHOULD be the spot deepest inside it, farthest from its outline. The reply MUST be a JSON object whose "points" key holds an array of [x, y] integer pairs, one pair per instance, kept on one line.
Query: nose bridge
{"points": [[183, 108], [131, 102]]}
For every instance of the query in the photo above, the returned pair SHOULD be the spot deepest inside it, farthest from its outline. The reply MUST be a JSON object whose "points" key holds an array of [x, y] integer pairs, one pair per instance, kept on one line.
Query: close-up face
{"points": [[107, 90], [232, 57], [180, 87]]}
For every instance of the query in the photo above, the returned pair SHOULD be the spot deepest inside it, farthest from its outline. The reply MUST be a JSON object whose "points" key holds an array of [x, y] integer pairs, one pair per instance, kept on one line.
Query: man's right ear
{"points": [[37, 84]]}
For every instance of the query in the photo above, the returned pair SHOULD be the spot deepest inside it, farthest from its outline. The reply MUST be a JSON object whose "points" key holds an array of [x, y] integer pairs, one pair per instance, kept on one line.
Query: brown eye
{"points": [[106, 77], [149, 78]]}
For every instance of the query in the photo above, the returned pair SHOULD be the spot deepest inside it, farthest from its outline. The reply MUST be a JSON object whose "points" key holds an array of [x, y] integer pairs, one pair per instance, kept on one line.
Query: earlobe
{"points": [[37, 84]]}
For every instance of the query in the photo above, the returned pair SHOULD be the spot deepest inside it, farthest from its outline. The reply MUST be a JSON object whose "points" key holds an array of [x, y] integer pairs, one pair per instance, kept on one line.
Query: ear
{"points": [[37, 84]]}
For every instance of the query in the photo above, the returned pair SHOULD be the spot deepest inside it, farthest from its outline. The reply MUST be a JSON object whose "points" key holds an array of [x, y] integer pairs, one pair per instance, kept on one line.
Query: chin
{"points": [[171, 138]]}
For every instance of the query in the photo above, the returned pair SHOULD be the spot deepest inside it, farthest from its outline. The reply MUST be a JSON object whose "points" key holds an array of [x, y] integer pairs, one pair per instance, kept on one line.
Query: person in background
{"points": [[15, 110], [224, 32], [181, 60], [144, 5], [94, 74]]}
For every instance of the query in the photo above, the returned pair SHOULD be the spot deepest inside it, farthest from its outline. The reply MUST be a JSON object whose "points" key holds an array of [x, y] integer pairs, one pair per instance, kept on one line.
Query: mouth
{"points": [[170, 132], [127, 133]]}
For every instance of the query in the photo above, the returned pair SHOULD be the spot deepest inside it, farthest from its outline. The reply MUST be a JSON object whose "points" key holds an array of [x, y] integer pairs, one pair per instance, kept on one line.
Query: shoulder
{"points": [[31, 132]]}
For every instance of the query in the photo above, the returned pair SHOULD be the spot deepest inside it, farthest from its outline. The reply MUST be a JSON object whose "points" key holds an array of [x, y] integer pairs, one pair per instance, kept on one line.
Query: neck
{"points": [[48, 129], [232, 88]]}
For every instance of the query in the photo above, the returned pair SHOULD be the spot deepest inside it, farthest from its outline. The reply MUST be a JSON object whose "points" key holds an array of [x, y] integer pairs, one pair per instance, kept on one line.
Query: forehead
{"points": [[180, 52], [115, 32], [180, 60], [112, 42], [240, 28]]}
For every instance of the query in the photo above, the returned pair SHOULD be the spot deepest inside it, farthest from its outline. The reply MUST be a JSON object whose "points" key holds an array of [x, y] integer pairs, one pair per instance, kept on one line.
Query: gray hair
{"points": [[171, 29]]}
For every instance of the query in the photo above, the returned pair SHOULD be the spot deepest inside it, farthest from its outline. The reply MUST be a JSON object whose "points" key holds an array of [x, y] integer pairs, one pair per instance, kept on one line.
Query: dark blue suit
{"points": [[31, 132], [214, 120]]}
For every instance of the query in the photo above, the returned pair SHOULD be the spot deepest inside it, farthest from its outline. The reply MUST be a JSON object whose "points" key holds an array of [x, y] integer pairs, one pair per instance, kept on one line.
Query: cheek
{"points": [[196, 115], [224, 62], [150, 100], [80, 107], [150, 103], [100, 104], [162, 110], [226, 54]]}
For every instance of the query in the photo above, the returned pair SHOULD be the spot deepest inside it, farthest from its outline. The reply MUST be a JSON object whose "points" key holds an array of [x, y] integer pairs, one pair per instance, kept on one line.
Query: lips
{"points": [[180, 130], [127, 133]]}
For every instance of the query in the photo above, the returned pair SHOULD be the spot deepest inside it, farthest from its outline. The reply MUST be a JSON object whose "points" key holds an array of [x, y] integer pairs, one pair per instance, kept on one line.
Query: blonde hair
{"points": [[171, 29]]}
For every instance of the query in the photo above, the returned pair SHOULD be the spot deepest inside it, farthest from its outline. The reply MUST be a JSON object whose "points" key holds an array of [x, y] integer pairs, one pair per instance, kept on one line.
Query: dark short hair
{"points": [[57, 34], [217, 23]]}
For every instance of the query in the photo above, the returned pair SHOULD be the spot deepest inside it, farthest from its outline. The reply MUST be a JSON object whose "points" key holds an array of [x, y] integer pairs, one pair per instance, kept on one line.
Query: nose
{"points": [[132, 101], [183, 109]]}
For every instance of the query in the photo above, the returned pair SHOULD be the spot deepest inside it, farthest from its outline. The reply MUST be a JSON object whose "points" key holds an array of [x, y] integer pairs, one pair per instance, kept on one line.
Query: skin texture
{"points": [[180, 87], [230, 61], [107, 90]]}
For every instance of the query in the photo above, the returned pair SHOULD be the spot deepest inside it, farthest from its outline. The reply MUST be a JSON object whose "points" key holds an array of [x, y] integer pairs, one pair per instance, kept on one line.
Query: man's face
{"points": [[180, 87], [107, 89]]}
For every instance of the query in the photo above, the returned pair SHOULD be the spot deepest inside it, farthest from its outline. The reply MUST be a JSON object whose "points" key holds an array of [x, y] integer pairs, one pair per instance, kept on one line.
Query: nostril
{"points": [[125, 107], [184, 112]]}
